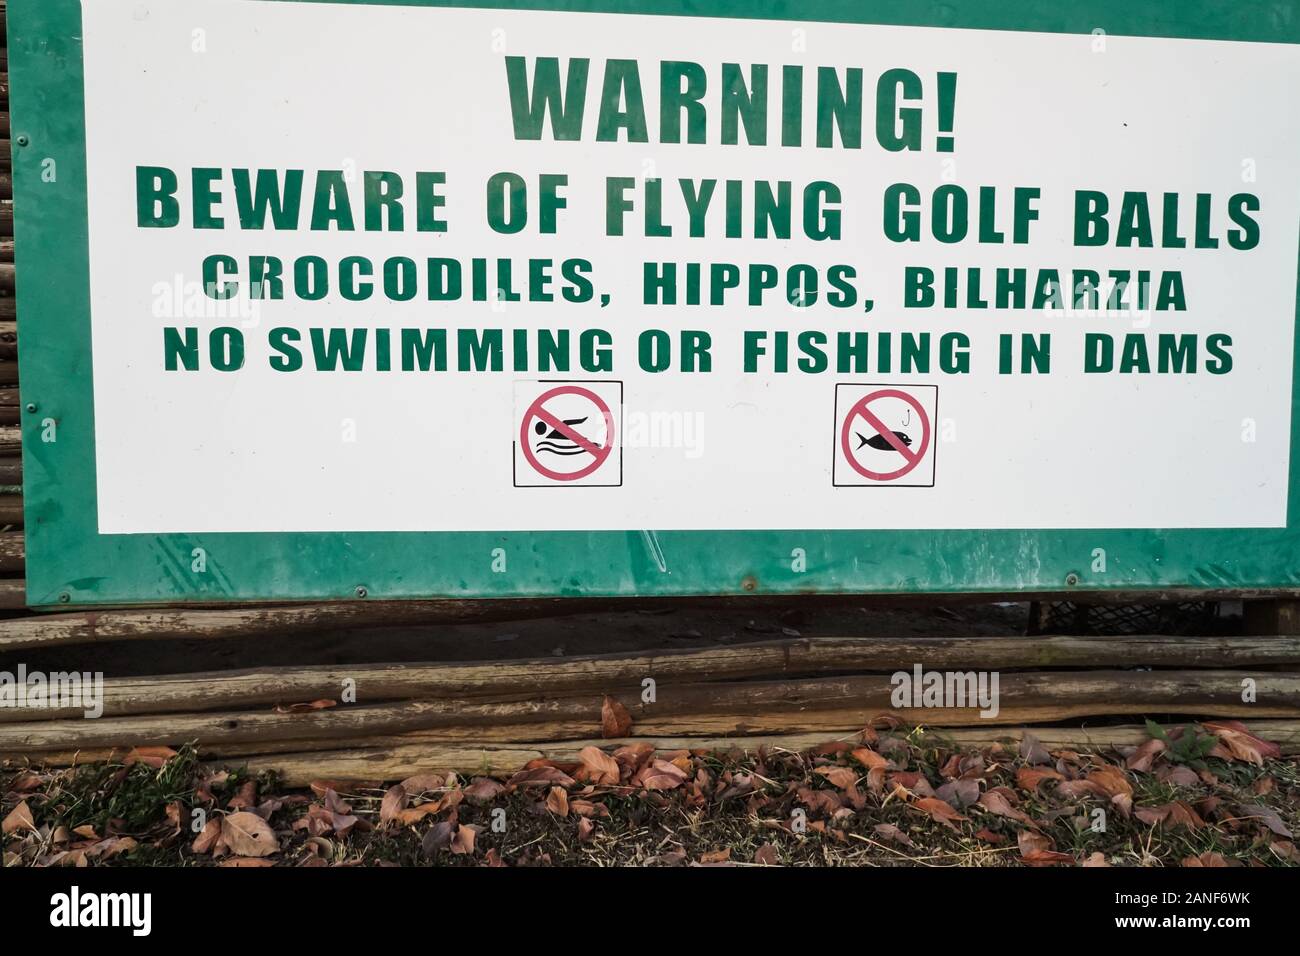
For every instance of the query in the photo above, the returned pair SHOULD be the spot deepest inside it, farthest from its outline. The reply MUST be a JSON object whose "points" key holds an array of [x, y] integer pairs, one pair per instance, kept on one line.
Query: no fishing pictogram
{"points": [[884, 435]]}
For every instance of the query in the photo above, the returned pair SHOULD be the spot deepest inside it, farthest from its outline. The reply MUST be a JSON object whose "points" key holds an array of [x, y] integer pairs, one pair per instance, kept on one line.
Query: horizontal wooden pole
{"points": [[696, 709], [11, 511], [280, 620], [381, 764], [234, 690], [13, 594], [12, 552]]}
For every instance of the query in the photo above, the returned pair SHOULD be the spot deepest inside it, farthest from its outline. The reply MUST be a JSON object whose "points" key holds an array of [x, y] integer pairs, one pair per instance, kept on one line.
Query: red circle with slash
{"points": [[538, 410], [861, 407]]}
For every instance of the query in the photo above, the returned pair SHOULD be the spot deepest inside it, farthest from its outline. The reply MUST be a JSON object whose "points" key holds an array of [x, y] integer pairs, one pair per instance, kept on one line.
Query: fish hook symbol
{"points": [[908, 420]]}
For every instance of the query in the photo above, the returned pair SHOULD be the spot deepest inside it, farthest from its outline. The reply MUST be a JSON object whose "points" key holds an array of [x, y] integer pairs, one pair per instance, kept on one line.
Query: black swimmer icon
{"points": [[555, 441]]}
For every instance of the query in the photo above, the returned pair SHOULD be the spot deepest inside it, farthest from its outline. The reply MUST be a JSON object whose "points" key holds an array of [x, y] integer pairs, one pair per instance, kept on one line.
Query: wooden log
{"points": [[393, 758], [801, 657], [6, 250], [381, 764], [280, 620], [13, 594], [1274, 617], [13, 554], [11, 471], [6, 268], [8, 330], [6, 213], [8, 371], [737, 708], [10, 410], [11, 511], [11, 440]]}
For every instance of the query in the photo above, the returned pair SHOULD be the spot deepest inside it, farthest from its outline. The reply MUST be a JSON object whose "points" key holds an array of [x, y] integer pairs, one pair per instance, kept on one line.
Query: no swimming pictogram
{"points": [[568, 434]]}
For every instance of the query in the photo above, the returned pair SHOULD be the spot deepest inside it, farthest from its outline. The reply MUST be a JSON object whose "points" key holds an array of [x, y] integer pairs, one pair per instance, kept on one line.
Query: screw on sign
{"points": [[547, 433], [863, 429]]}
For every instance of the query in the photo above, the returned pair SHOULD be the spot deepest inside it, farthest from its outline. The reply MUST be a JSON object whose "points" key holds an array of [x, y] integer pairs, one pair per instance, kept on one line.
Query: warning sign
{"points": [[884, 435], [568, 434]]}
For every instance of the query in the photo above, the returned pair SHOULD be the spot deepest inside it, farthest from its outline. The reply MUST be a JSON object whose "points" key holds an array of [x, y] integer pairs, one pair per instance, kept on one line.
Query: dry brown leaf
{"points": [[462, 843], [19, 818], [887, 831], [1096, 859], [615, 721], [394, 802], [1031, 778], [871, 760], [1208, 859], [1037, 850], [247, 834], [1241, 743], [208, 836], [482, 789], [1142, 758], [557, 801], [600, 767], [251, 861], [544, 776], [1266, 815], [662, 775], [996, 802], [423, 783], [305, 707], [841, 777], [766, 855], [149, 756], [716, 856], [1175, 814], [939, 811]]}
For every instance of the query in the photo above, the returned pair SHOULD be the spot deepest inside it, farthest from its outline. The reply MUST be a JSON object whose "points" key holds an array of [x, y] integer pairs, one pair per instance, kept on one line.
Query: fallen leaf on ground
{"points": [[838, 776], [939, 811], [462, 843], [1175, 814], [766, 855], [888, 831], [247, 834], [996, 802], [557, 801], [208, 836], [1037, 850], [149, 756], [1241, 743], [20, 818], [600, 767], [1265, 815]]}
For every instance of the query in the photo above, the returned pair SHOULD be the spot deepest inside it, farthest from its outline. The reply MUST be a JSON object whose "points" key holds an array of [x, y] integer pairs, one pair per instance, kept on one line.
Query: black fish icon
{"points": [[882, 443]]}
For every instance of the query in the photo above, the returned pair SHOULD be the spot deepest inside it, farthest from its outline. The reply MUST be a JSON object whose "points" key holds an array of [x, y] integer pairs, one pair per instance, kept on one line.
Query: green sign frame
{"points": [[70, 563]]}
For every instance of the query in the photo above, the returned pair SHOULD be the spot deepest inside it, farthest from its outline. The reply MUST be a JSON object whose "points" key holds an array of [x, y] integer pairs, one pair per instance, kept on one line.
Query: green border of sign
{"points": [[69, 562]]}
